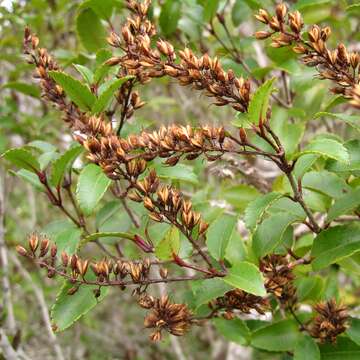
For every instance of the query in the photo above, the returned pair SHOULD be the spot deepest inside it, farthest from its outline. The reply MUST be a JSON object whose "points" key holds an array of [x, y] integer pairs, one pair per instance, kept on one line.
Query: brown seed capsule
{"points": [[21, 250], [260, 35], [33, 242], [53, 251], [64, 259], [44, 246], [163, 273], [243, 136], [148, 204], [73, 290]]}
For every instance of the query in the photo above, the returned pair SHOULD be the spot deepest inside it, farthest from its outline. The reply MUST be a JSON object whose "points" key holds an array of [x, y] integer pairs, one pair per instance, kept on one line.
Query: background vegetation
{"points": [[229, 192]]}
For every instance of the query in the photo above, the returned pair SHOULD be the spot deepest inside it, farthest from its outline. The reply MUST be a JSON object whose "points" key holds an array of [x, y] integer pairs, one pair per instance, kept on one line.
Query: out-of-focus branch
{"points": [[10, 318], [43, 307]]}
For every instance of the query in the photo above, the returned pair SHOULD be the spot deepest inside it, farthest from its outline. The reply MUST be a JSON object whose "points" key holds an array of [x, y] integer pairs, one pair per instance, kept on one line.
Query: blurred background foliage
{"points": [[75, 33]]}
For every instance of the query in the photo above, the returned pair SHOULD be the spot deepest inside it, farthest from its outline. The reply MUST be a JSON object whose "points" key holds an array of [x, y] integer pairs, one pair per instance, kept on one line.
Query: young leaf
{"points": [[31, 178], [91, 187], [102, 234], [344, 204], [344, 349], [210, 8], [79, 93], [280, 336], [64, 162], [27, 89], [247, 277], [240, 195], [354, 330], [352, 120], [328, 148], [169, 245], [70, 308], [335, 244], [306, 348], [90, 30], [106, 93], [269, 234], [256, 208], [260, 102], [326, 183], [169, 16], [85, 72], [23, 159], [207, 290], [218, 235], [235, 330]]}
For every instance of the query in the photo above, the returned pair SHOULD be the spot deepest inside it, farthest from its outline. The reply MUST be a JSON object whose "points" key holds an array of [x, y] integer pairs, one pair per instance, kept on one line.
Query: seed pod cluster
{"points": [[338, 65], [75, 268], [168, 316], [239, 300], [279, 278], [146, 62], [166, 202], [331, 321]]}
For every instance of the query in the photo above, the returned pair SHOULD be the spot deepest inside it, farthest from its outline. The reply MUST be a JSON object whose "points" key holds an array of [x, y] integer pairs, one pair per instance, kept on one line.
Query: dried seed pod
{"points": [[33, 242], [163, 272], [21, 250], [44, 246]]}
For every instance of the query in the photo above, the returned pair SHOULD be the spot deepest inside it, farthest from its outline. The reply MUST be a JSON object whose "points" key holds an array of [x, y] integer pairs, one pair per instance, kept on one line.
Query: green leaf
{"points": [[64, 234], [31, 178], [169, 16], [85, 72], [234, 330], [106, 93], [247, 277], [269, 234], [353, 148], [280, 336], [102, 8], [306, 348], [326, 183], [91, 187], [335, 244], [344, 349], [303, 164], [63, 163], [180, 172], [70, 308], [207, 290], [102, 234], [27, 89], [354, 330], [352, 120], [79, 93], [90, 30], [42, 146], [256, 208], [344, 205], [210, 9], [260, 101], [329, 148], [235, 250], [309, 288], [239, 196], [23, 159], [218, 235], [169, 245]]}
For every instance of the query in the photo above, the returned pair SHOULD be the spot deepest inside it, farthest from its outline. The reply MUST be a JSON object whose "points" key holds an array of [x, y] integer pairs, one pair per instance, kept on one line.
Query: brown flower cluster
{"points": [[144, 62], [50, 90], [238, 299], [166, 203], [173, 142], [165, 315], [75, 269], [279, 278], [338, 65], [331, 321]]}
